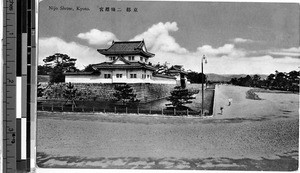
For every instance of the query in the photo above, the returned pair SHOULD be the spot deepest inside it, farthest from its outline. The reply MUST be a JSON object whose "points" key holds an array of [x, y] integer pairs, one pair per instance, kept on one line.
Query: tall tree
{"points": [[125, 94], [60, 63], [70, 94], [294, 77], [89, 68], [281, 81], [195, 77], [40, 90], [255, 80], [44, 70], [179, 97], [270, 81]]}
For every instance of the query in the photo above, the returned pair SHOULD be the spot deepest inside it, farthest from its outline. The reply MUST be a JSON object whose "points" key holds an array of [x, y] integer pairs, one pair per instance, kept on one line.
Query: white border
{"points": [[33, 120]]}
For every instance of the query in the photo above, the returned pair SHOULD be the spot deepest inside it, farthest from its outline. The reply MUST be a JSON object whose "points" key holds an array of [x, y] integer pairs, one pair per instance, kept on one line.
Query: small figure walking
{"points": [[229, 101], [221, 109]]}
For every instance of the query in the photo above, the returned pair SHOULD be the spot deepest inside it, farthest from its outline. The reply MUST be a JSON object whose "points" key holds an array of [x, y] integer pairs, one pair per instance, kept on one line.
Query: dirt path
{"points": [[240, 139], [272, 104]]}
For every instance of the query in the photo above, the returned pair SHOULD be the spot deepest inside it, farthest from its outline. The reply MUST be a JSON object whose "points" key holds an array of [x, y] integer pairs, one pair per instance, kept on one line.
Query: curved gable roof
{"points": [[126, 48]]}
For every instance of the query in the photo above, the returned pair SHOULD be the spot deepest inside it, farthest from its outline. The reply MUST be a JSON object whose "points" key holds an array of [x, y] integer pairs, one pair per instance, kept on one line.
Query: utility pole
{"points": [[202, 81]]}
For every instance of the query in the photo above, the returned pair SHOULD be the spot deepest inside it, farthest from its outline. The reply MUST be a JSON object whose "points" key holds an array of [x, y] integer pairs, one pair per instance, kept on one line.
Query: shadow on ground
{"points": [[119, 118], [285, 162]]}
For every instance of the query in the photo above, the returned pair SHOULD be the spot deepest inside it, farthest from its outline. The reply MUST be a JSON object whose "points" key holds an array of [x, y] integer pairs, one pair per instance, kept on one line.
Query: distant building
{"points": [[178, 72], [127, 62]]}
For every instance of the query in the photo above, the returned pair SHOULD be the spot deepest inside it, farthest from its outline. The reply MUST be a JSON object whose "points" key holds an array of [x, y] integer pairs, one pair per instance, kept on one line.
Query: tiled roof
{"points": [[164, 76], [80, 73], [126, 48], [131, 65], [176, 69]]}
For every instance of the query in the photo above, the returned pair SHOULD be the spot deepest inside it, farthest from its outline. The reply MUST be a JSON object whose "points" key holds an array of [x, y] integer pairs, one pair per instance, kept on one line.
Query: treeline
{"points": [[46, 70], [195, 77], [279, 81]]}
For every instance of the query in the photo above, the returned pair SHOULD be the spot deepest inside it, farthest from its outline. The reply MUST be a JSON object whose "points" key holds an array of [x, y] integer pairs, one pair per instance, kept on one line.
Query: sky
{"points": [[235, 37]]}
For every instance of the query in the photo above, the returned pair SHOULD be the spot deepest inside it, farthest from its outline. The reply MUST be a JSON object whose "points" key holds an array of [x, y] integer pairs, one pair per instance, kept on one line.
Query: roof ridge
{"points": [[122, 59], [128, 41]]}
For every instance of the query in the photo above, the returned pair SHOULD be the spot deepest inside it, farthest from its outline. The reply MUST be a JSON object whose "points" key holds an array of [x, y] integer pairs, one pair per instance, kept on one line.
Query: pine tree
{"points": [[40, 90], [70, 93], [179, 97], [125, 94], [60, 64]]}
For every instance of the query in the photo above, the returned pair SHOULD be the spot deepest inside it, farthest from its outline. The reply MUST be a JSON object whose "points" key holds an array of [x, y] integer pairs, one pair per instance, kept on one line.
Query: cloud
{"points": [[292, 52], [97, 37], [227, 64], [242, 40], [157, 38], [227, 50], [226, 59], [84, 54]]}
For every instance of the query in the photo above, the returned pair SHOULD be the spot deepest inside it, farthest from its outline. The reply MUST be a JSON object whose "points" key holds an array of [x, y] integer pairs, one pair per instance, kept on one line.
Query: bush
{"points": [[251, 95]]}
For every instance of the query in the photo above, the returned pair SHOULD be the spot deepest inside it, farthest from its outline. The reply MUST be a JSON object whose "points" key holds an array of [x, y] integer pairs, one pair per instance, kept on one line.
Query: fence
{"points": [[127, 110]]}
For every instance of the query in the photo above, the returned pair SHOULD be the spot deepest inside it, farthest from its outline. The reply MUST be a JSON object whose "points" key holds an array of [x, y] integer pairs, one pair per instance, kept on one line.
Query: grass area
{"points": [[261, 90], [251, 94]]}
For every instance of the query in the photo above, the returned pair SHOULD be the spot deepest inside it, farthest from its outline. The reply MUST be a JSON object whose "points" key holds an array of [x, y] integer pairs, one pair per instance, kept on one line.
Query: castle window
{"points": [[131, 58], [107, 76], [112, 58], [132, 75], [141, 58], [148, 76], [119, 75]]}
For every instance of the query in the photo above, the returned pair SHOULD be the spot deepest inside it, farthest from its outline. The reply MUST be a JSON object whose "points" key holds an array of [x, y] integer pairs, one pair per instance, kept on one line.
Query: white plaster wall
{"points": [[119, 62], [136, 58], [125, 77], [86, 79], [98, 79], [119, 80], [158, 80]]}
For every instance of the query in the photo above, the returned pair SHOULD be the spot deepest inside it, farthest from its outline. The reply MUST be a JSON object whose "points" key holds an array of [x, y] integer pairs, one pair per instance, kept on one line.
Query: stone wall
{"points": [[144, 92], [104, 92]]}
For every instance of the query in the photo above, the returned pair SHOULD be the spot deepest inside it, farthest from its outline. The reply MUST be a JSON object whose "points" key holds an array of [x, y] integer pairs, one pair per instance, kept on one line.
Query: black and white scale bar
{"points": [[21, 85], [31, 79]]}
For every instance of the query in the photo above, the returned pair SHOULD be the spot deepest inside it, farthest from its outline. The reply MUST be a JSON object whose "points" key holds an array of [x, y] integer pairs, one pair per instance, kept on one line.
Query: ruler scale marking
{"points": [[18, 69]]}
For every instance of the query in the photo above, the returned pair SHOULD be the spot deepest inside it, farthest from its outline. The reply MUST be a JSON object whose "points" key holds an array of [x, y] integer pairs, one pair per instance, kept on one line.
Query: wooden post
{"points": [[174, 111], [82, 109], [150, 110], [62, 107], [115, 109], [93, 110], [187, 112], [126, 109], [52, 107], [138, 110], [104, 110], [42, 107], [72, 108]]}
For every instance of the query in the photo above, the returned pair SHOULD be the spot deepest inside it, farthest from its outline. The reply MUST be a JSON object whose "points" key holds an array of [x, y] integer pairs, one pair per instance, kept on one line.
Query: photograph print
{"points": [[169, 85]]}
